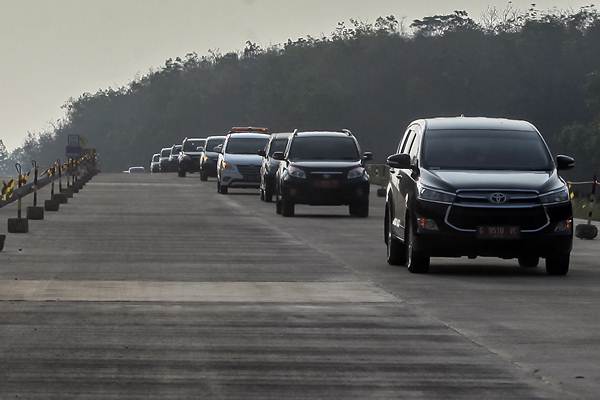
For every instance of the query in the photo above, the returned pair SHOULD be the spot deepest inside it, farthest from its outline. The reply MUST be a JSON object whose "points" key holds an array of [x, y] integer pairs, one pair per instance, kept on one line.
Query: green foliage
{"points": [[371, 78], [4, 159]]}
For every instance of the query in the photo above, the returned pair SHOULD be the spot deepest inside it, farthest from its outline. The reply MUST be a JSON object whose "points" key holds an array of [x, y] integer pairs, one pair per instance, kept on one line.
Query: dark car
{"points": [[155, 163], [477, 187], [322, 168], [163, 161], [189, 158], [210, 156], [174, 158], [277, 143]]}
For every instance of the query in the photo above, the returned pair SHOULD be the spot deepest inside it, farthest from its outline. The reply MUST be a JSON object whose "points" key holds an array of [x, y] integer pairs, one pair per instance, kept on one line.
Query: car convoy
{"points": [[458, 186]]}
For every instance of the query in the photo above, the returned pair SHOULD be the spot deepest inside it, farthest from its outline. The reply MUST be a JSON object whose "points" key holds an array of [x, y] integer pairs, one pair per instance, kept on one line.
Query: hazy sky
{"points": [[51, 50]]}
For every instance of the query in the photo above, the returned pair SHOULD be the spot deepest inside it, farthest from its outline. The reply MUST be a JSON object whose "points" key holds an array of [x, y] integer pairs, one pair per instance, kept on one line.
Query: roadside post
{"points": [[60, 196], [67, 192], [34, 212], [589, 231], [53, 204], [19, 224]]}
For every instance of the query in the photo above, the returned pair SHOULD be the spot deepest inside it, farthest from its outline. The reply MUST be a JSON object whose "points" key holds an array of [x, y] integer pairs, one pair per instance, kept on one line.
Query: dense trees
{"points": [[371, 78]]}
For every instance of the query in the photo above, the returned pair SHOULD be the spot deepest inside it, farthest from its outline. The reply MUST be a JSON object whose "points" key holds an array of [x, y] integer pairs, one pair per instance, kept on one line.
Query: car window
{"points": [[313, 148], [212, 143], [248, 145], [155, 157], [165, 153], [485, 150], [414, 149], [192, 145], [176, 150], [277, 145], [408, 138]]}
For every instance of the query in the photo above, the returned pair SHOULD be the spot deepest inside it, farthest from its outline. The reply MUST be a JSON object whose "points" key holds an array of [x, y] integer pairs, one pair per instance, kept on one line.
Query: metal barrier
{"points": [[77, 171], [587, 230]]}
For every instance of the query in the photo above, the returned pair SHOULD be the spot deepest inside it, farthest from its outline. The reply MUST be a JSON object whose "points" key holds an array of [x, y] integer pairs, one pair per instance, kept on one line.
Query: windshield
{"points": [[324, 148], [246, 145], [155, 157], [192, 145], [165, 153], [176, 150], [485, 150], [212, 143], [278, 145]]}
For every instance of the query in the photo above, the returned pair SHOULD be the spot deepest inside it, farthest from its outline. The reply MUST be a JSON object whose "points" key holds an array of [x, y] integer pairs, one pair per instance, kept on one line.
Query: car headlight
{"points": [[558, 196], [435, 195], [357, 172], [227, 165], [296, 172]]}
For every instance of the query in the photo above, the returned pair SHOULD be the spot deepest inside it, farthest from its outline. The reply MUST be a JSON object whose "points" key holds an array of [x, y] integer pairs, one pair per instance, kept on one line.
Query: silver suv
{"points": [[239, 161]]}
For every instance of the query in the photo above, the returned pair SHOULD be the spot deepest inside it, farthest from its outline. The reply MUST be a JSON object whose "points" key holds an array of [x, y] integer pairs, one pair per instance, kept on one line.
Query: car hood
{"points": [[243, 159], [540, 181], [326, 165]]}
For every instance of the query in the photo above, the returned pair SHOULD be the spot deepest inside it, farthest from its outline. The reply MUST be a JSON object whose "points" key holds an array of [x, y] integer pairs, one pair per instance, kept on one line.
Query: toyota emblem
{"points": [[498, 198]]}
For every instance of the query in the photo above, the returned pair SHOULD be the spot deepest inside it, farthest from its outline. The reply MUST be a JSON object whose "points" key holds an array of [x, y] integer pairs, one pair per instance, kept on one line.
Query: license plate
{"points": [[498, 232], [325, 184]]}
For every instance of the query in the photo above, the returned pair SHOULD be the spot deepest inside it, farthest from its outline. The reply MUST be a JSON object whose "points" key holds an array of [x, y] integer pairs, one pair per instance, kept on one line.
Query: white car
{"points": [[239, 160]]}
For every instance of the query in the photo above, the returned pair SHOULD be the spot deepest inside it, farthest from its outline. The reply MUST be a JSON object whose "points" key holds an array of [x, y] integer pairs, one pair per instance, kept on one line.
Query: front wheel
{"points": [[287, 207], [181, 173], [558, 264], [203, 176], [268, 194], [396, 249], [417, 261]]}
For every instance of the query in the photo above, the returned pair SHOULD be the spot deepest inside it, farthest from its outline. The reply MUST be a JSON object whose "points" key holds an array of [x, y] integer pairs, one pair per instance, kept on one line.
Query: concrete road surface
{"points": [[153, 286]]}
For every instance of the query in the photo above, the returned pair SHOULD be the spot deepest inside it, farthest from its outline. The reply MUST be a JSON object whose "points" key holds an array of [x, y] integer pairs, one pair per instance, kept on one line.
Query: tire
{"points": [[224, 189], [416, 261], [268, 194], [287, 208], [360, 210], [181, 173], [558, 264], [262, 195], [396, 250], [529, 261], [203, 176]]}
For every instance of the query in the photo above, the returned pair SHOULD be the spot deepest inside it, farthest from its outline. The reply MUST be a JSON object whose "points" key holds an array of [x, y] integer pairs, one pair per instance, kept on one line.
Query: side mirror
{"points": [[278, 155], [219, 148], [564, 162], [399, 161], [367, 156], [262, 153]]}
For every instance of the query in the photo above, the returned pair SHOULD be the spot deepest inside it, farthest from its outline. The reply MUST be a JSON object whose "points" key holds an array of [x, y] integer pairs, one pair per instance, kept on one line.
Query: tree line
{"points": [[372, 78]]}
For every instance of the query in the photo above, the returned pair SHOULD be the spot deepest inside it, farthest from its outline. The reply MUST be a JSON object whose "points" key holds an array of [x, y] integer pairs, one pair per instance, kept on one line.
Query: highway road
{"points": [[156, 287]]}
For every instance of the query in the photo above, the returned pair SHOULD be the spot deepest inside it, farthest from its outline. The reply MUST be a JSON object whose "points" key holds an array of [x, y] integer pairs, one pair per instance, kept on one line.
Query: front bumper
{"points": [[248, 177], [307, 191], [191, 164], [537, 235]]}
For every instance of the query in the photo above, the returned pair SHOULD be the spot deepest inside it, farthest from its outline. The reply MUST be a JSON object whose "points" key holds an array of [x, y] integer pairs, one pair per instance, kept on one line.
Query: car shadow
{"points": [[485, 270], [230, 193], [325, 216]]}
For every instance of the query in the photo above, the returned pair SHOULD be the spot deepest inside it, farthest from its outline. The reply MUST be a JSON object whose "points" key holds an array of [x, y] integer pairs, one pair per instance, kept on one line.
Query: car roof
{"points": [[215, 137], [281, 135], [194, 138], [472, 123], [323, 133], [246, 135], [155, 154], [165, 148], [176, 145]]}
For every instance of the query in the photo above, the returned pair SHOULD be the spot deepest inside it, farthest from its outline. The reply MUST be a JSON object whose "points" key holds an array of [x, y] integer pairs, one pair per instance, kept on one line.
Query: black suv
{"points": [[477, 187], [210, 156], [277, 143], [322, 168], [189, 158]]}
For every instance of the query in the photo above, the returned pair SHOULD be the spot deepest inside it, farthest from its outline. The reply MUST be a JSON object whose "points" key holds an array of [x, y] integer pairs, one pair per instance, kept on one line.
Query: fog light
{"points": [[426, 224], [564, 226]]}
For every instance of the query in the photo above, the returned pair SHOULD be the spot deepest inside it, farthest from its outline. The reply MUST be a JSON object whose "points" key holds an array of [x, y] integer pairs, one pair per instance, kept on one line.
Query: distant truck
{"points": [[73, 149]]}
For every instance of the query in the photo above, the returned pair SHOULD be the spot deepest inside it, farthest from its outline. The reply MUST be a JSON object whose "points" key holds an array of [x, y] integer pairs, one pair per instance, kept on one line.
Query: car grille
{"points": [[471, 218], [251, 173], [483, 197]]}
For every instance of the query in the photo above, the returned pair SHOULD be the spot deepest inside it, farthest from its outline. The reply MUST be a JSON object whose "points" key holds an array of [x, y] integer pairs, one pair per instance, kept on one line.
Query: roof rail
{"points": [[295, 132], [347, 132]]}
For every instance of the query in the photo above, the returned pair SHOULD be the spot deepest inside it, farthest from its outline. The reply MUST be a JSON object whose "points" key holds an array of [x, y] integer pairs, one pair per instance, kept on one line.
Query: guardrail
{"points": [[76, 173]]}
